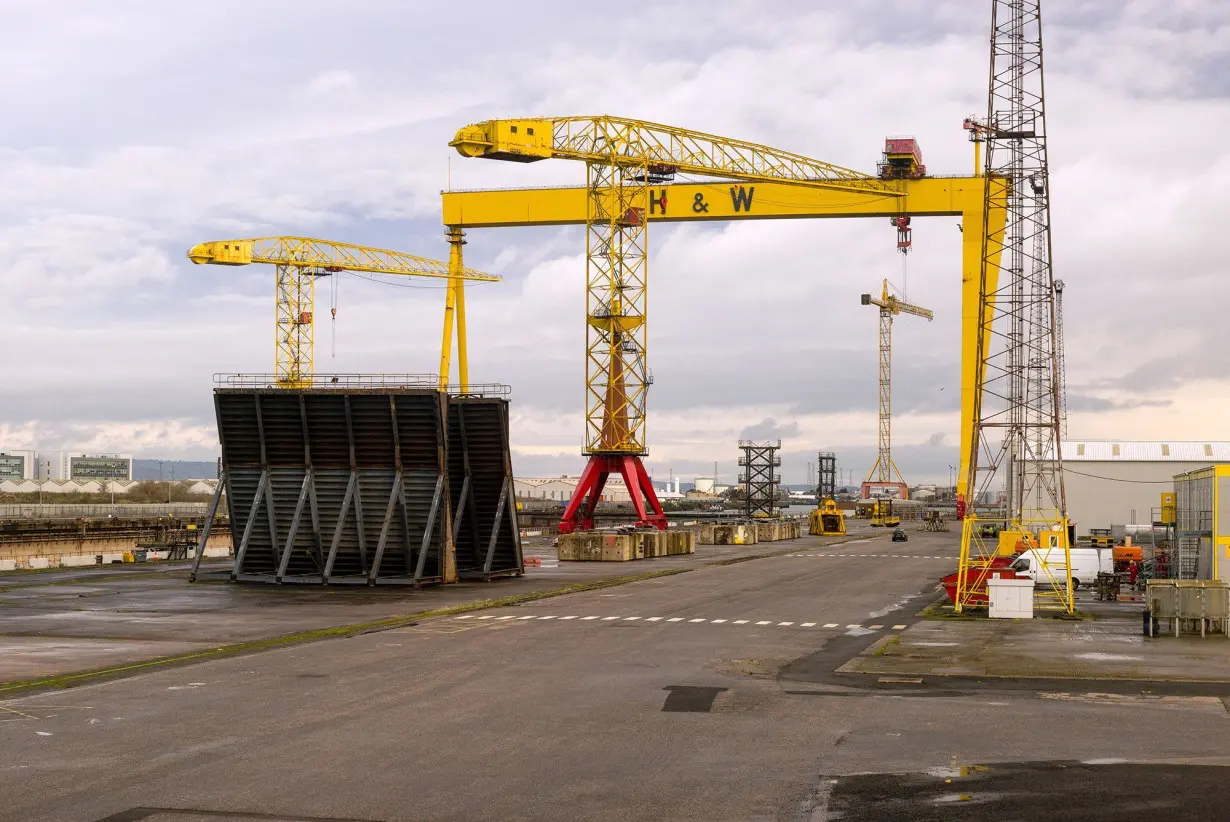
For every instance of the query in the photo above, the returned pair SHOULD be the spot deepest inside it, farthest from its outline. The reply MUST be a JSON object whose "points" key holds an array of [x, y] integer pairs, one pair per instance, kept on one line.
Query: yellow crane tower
{"points": [[299, 261], [884, 468], [626, 160]]}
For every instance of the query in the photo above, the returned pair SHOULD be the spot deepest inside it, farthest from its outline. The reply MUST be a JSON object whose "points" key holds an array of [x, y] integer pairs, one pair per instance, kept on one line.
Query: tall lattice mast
{"points": [[1016, 430]]}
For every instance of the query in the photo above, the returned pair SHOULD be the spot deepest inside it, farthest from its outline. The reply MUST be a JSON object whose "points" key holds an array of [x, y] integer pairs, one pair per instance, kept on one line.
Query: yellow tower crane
{"points": [[626, 159], [884, 468], [299, 261]]}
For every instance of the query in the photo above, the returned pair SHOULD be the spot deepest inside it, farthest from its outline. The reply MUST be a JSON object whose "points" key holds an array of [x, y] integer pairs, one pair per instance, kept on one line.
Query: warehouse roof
{"points": [[1145, 451]]}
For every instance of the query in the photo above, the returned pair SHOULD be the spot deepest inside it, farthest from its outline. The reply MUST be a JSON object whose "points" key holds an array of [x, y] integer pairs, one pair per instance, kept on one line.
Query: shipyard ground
{"points": [[708, 695]]}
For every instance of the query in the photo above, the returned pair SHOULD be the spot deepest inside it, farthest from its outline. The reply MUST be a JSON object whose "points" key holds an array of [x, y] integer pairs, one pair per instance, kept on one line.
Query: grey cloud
{"points": [[769, 429], [935, 439]]}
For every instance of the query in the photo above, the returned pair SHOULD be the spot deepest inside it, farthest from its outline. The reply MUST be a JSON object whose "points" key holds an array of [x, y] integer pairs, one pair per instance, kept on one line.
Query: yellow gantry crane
{"points": [[884, 468], [299, 261], [626, 161]]}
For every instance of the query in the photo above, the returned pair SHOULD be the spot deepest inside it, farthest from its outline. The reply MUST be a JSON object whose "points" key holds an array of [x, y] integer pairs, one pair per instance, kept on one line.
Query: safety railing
{"points": [[350, 382]]}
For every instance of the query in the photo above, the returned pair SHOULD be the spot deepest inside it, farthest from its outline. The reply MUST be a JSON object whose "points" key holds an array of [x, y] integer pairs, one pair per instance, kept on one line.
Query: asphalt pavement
{"points": [[707, 695]]}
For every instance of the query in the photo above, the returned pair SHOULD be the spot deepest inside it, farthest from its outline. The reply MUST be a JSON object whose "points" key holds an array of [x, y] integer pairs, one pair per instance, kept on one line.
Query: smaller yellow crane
{"points": [[884, 467], [299, 261]]}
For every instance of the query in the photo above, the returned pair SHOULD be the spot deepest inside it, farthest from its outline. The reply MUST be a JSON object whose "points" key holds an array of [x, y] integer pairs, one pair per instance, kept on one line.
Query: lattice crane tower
{"points": [[1016, 407], [624, 158], [884, 468]]}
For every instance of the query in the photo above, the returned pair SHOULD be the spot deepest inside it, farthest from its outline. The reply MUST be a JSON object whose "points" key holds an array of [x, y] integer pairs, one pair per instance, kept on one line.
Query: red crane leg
{"points": [[579, 515]]}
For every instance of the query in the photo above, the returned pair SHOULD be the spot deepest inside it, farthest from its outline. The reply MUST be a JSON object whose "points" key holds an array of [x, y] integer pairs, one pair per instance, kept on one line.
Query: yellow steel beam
{"points": [[961, 197], [652, 147]]}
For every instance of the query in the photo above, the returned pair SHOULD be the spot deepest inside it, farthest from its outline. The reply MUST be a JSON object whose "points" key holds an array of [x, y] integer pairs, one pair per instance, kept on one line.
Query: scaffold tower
{"points": [[759, 477], [826, 485]]}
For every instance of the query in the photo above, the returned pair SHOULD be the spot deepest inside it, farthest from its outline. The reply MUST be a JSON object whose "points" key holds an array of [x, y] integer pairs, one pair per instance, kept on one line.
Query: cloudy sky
{"points": [[132, 130]]}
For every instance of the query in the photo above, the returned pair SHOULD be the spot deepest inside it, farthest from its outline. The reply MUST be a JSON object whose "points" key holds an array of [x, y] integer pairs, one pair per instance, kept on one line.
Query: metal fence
{"points": [[119, 511], [346, 382]]}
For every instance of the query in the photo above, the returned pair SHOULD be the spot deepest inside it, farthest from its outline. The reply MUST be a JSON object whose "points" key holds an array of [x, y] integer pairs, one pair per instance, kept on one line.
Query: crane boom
{"points": [[299, 261], [305, 252], [895, 306], [663, 150]]}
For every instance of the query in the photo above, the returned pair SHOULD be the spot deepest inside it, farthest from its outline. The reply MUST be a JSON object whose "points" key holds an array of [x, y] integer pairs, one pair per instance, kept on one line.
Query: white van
{"points": [[1087, 563]]}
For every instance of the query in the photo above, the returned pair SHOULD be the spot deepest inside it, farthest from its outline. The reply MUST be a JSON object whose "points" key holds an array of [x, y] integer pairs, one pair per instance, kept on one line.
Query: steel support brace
{"points": [[394, 494], [304, 489], [579, 515], [340, 527], [461, 504], [495, 528], [431, 521], [512, 519], [206, 527], [242, 550], [318, 553]]}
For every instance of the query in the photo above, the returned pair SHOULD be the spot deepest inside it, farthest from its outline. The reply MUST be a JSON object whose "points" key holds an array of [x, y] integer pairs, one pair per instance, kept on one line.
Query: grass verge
{"points": [[336, 631]]}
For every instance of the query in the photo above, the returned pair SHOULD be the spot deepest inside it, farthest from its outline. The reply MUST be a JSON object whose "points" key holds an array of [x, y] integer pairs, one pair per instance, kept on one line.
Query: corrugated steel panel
{"points": [[1145, 451], [337, 486]]}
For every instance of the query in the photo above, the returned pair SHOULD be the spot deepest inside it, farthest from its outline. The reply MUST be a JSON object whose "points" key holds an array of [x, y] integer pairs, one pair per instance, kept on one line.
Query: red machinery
{"points": [[579, 515]]}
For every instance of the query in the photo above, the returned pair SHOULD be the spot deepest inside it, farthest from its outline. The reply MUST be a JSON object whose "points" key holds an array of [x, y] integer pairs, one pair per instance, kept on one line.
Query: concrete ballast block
{"points": [[589, 546]]}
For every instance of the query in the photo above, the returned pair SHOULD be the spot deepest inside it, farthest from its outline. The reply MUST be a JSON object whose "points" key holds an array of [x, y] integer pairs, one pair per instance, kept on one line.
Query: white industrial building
{"points": [[73, 465], [1109, 482], [16, 464], [562, 488]]}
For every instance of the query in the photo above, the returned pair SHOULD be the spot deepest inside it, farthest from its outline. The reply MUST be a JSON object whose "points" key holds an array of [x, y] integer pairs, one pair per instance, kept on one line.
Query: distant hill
{"points": [[173, 469]]}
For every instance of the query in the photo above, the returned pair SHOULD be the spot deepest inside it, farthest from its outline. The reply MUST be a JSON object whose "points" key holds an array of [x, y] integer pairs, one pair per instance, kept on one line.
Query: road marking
{"points": [[694, 621], [898, 627]]}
